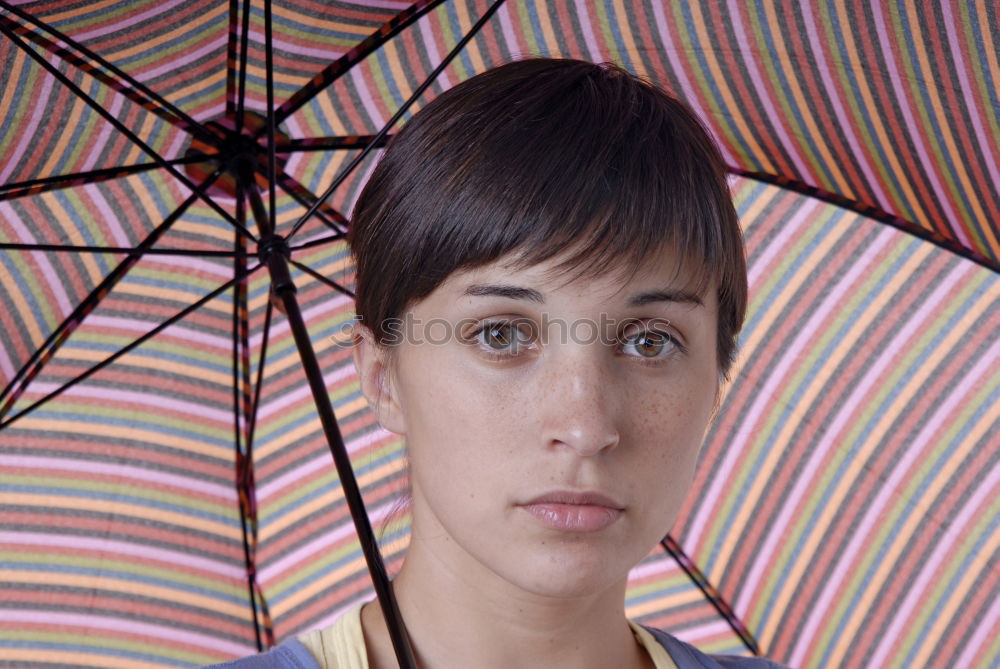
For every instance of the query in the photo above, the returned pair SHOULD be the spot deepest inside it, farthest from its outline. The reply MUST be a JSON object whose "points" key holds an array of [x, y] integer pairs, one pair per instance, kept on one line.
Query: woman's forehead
{"points": [[510, 276]]}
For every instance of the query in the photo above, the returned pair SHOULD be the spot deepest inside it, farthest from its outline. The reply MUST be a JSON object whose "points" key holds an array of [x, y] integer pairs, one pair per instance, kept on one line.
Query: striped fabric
{"points": [[847, 506]]}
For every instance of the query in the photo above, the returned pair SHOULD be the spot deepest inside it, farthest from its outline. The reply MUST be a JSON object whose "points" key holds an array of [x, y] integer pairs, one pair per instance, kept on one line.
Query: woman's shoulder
{"points": [[687, 656]]}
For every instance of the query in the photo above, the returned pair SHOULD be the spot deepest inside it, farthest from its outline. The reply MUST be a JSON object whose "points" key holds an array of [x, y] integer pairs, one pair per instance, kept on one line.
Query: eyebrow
{"points": [[668, 295], [532, 295], [504, 290]]}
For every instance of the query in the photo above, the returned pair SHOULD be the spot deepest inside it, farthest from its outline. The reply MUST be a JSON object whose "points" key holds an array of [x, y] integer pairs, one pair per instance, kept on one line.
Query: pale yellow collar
{"points": [[342, 644]]}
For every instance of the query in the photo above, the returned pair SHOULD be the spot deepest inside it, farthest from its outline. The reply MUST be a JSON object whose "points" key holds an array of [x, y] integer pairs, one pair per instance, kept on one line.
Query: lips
{"points": [[569, 511]]}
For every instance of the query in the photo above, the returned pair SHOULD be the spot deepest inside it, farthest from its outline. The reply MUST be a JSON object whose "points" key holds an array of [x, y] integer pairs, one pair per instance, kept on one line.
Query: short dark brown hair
{"points": [[540, 157]]}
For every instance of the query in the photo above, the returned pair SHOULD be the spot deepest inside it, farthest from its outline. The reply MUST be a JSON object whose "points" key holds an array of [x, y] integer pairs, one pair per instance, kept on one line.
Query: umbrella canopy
{"points": [[167, 496]]}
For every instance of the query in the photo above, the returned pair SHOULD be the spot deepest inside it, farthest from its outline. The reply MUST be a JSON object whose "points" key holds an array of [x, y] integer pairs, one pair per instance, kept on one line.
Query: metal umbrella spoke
{"points": [[194, 306], [322, 279], [33, 365], [193, 253], [241, 77], [162, 162], [871, 211], [487, 15], [13, 190], [711, 593], [332, 143], [125, 84], [242, 441], [342, 65], [316, 242]]}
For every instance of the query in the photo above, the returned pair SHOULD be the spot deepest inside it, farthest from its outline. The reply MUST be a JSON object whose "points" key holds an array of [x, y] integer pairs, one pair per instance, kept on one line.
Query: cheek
{"points": [[456, 420]]}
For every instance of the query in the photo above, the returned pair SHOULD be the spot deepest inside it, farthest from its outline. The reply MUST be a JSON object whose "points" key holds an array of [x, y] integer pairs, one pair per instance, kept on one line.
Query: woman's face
{"points": [[552, 428]]}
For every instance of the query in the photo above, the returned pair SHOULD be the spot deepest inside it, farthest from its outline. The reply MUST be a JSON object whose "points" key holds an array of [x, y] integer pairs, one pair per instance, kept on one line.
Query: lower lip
{"points": [[574, 517]]}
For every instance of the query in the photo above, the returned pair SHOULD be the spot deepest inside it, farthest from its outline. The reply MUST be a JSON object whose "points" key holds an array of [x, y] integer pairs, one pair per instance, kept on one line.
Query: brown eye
{"points": [[504, 338], [498, 336], [649, 344]]}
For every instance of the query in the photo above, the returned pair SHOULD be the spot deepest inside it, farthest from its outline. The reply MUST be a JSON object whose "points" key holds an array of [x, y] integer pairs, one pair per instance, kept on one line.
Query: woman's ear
{"points": [[377, 384]]}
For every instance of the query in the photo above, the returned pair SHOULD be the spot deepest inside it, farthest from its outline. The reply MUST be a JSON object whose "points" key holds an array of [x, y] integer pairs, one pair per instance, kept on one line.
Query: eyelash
{"points": [[669, 341]]}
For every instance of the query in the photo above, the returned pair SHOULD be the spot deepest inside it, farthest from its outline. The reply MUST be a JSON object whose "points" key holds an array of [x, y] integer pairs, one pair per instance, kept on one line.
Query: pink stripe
{"points": [[56, 619], [104, 134], [6, 366], [321, 542], [805, 482], [303, 49], [985, 632], [52, 280], [109, 215], [320, 462], [744, 434], [690, 92], [158, 10], [583, 13], [698, 634], [765, 96], [170, 66], [367, 99], [157, 402], [27, 131], [202, 265], [833, 92], [287, 400], [425, 25], [808, 210], [191, 336], [985, 496], [124, 548], [987, 141], [663, 566], [912, 127], [509, 34], [224, 493], [869, 523], [280, 327]]}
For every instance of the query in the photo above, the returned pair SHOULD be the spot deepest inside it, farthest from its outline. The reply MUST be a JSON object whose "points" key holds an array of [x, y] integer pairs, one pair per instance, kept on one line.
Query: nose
{"points": [[579, 404]]}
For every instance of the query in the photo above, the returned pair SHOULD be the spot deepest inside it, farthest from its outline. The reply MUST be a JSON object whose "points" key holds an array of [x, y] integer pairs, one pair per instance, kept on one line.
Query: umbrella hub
{"points": [[230, 149]]}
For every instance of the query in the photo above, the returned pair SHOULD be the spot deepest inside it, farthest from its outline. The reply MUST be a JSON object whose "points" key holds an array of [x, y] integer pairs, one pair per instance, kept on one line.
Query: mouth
{"points": [[569, 511]]}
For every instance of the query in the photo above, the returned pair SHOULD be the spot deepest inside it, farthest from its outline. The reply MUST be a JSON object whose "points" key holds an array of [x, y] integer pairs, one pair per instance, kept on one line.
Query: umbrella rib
{"points": [[322, 279], [327, 214], [231, 56], [242, 79], [132, 88], [125, 349], [487, 15], [121, 128], [245, 482], [331, 143], [44, 353], [714, 597], [315, 242], [342, 65], [262, 358], [11, 191], [873, 212], [269, 82], [194, 253]]}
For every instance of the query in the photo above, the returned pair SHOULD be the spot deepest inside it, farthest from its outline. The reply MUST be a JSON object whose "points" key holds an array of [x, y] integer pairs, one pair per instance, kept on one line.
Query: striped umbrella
{"points": [[168, 496]]}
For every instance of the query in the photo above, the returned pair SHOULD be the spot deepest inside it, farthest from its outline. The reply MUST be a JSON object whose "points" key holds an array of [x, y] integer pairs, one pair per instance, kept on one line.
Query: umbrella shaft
{"points": [[284, 288]]}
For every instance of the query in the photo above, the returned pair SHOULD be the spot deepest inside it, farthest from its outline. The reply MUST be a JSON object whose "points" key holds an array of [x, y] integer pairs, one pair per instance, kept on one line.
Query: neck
{"points": [[461, 618]]}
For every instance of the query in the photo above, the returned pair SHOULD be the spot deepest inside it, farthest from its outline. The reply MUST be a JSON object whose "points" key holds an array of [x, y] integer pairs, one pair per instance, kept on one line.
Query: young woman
{"points": [[550, 282]]}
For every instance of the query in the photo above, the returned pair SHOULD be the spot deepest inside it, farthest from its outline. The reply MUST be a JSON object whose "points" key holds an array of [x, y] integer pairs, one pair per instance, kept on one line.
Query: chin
{"points": [[569, 571]]}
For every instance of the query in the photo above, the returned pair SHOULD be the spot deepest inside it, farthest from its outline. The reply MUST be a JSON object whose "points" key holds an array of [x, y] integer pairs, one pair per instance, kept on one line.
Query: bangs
{"points": [[541, 159]]}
